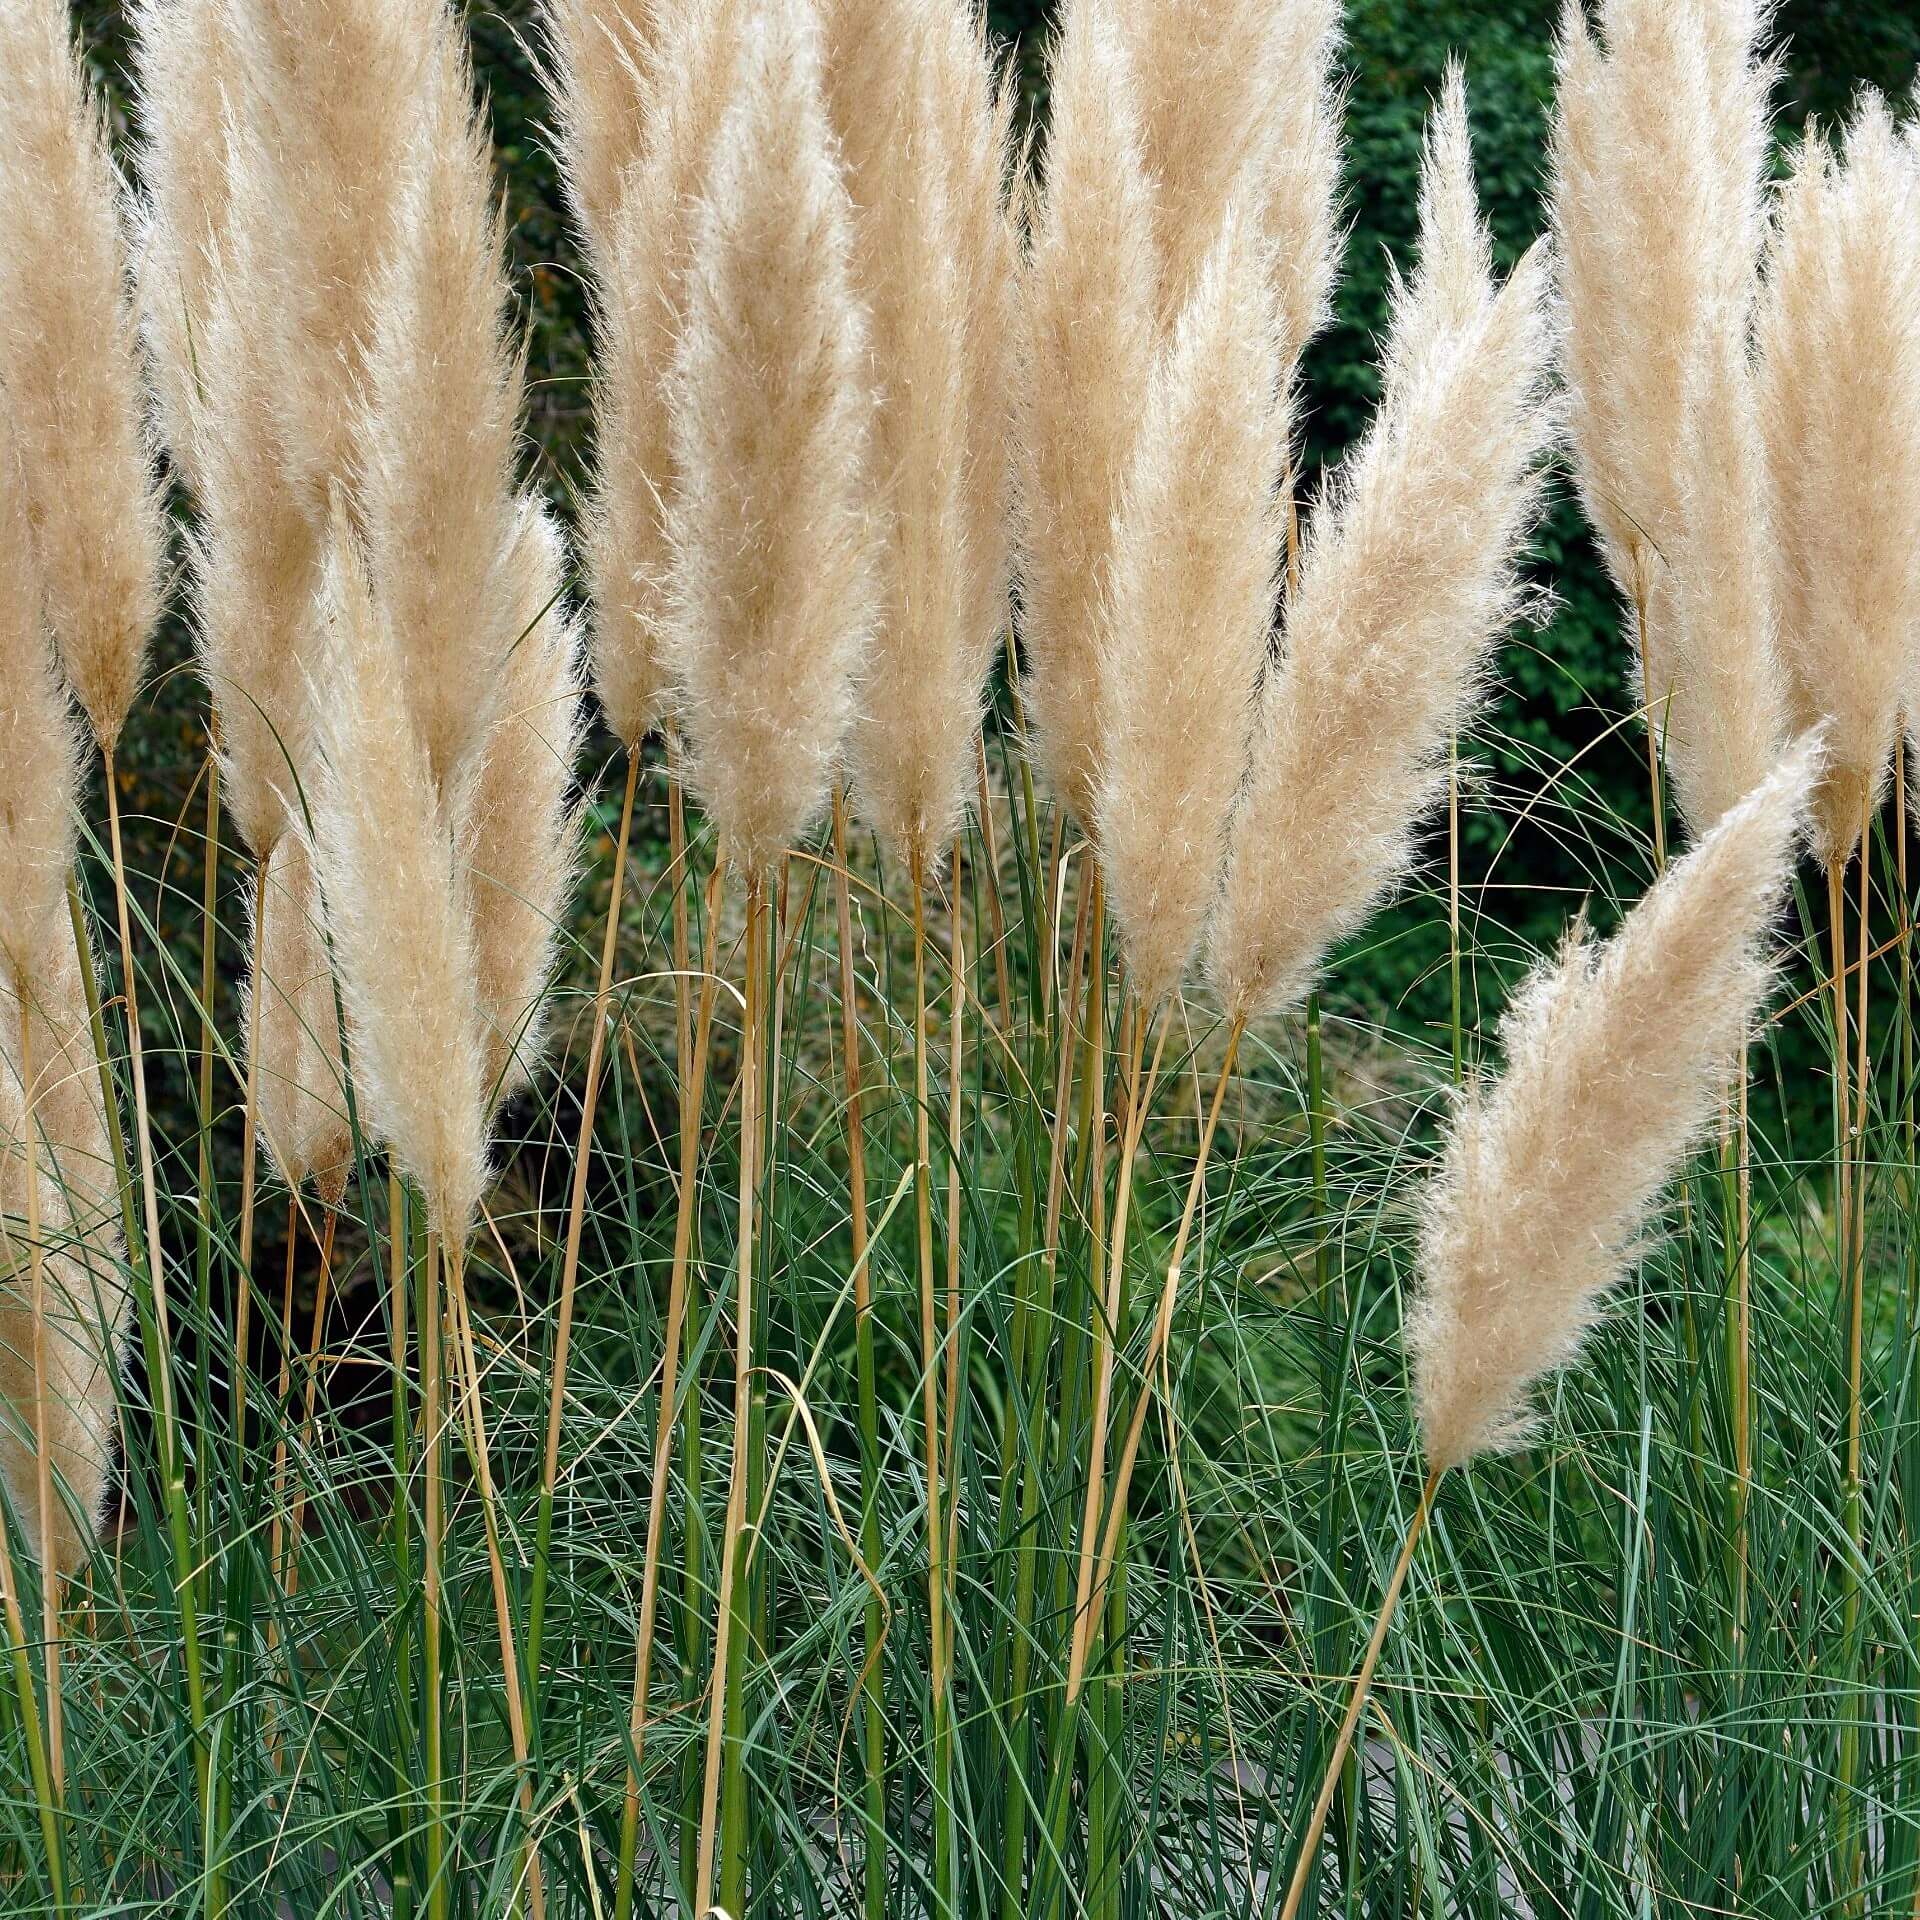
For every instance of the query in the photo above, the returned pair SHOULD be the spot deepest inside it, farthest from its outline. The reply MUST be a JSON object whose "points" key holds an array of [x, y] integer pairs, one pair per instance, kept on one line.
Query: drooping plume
{"points": [[638, 300], [1840, 380], [1407, 581], [772, 591], [517, 827], [1616, 1061], [598, 56], [300, 1084], [1088, 331], [437, 434], [1660, 155], [1200, 538], [397, 908], [923, 127], [69, 367]]}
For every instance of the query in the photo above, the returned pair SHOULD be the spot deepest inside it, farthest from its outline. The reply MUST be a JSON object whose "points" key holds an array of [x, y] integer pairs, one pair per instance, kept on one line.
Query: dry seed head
{"points": [[1189, 605], [69, 367], [300, 1079], [437, 436], [1660, 155], [518, 833], [1406, 584], [772, 592], [331, 114], [597, 54], [397, 909], [1840, 398], [638, 297], [1615, 1061], [186, 80], [1088, 330], [1236, 107], [923, 132]]}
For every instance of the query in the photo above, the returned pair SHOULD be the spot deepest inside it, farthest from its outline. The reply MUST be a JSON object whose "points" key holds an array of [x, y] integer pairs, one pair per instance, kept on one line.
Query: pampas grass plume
{"points": [[597, 52], [1840, 383], [1616, 1060], [335, 92], [518, 834], [772, 597], [1189, 604], [638, 295], [397, 909], [924, 134], [300, 1080], [1088, 336], [1660, 154], [1407, 581], [69, 367], [437, 433]]}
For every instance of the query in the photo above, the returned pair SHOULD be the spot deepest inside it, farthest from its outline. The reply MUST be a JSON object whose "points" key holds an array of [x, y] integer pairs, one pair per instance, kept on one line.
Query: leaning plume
{"points": [[1088, 332], [638, 295], [437, 435], [1199, 537], [1840, 379], [772, 577], [912, 93], [397, 909], [69, 365], [335, 89], [300, 1080], [1660, 155], [517, 828], [1406, 584], [597, 54], [1616, 1060]]}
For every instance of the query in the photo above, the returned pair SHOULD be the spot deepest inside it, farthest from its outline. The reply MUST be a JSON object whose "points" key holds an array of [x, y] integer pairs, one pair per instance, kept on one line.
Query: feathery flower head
{"points": [[597, 53], [772, 588], [1615, 1059], [397, 908], [1840, 396], [638, 297], [1660, 154], [1088, 326], [924, 133], [69, 367], [517, 830], [1407, 581], [1190, 601], [434, 485]]}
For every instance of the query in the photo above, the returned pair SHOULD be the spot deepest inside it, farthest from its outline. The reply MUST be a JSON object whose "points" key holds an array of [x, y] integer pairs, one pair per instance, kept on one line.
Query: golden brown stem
{"points": [[1357, 1700], [322, 1287], [243, 1305], [736, 1520], [468, 1369], [1162, 1328]]}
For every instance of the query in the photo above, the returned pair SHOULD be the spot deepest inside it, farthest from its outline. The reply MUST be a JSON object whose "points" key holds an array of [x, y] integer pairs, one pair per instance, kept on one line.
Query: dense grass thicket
{"points": [[914, 1428]]}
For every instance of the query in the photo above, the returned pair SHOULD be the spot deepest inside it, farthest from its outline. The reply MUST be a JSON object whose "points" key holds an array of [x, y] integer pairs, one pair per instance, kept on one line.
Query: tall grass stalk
{"points": [[249, 1150], [693, 1036], [576, 1221], [433, 1708], [873, 1723], [724, 1834], [52, 1834]]}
